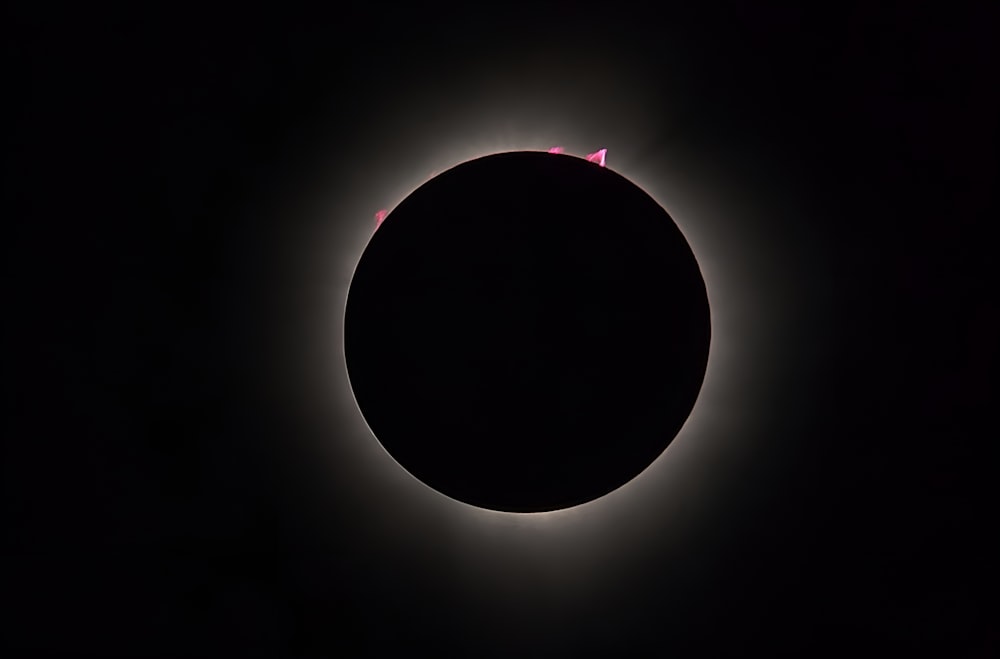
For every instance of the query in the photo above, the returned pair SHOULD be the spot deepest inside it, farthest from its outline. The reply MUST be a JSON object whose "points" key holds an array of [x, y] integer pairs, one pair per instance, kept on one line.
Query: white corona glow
{"points": [[725, 205], [716, 388], [711, 206]]}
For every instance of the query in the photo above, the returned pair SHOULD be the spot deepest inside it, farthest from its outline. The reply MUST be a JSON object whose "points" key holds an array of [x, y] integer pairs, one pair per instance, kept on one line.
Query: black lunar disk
{"points": [[527, 332]]}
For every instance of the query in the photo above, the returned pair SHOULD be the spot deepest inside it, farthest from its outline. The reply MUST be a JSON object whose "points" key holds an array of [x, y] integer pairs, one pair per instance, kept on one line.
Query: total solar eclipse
{"points": [[526, 332]]}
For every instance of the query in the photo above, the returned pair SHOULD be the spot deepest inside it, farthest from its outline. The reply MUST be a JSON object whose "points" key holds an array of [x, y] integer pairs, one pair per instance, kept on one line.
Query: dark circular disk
{"points": [[527, 332]]}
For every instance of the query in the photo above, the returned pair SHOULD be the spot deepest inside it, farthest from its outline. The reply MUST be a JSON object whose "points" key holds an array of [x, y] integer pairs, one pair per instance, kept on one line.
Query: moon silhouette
{"points": [[526, 332]]}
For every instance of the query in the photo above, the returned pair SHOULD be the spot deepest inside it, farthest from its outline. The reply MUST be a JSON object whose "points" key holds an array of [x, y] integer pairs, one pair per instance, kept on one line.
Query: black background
{"points": [[154, 503]]}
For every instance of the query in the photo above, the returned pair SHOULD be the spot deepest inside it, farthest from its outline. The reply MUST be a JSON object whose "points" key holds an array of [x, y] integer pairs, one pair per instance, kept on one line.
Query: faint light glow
{"points": [[717, 201], [598, 156], [700, 218], [400, 155]]}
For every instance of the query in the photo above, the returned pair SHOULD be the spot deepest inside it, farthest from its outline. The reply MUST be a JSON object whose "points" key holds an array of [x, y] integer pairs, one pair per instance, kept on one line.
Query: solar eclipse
{"points": [[527, 331]]}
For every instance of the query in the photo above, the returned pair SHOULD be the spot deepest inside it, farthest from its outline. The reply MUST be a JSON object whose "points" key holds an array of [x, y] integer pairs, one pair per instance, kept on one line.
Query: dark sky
{"points": [[163, 490]]}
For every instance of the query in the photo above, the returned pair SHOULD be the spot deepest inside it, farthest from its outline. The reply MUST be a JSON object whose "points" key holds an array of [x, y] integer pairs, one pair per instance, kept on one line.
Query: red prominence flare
{"points": [[598, 156]]}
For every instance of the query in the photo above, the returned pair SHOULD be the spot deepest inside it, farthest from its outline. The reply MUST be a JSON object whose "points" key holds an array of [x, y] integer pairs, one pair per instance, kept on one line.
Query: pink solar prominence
{"points": [[598, 156]]}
